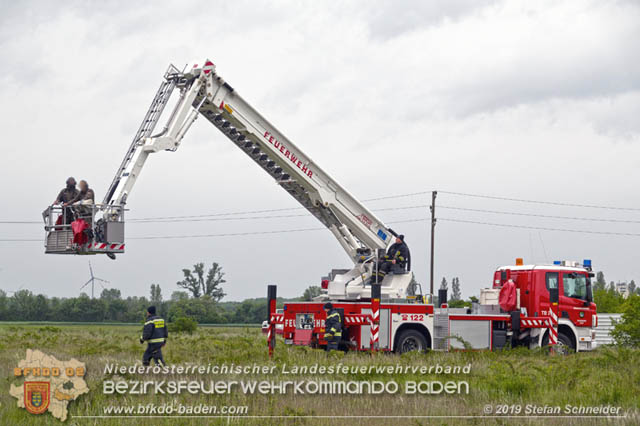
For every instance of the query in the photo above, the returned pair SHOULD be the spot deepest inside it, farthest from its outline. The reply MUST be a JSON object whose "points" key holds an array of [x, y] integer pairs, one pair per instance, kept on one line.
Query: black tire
{"points": [[411, 340], [565, 345]]}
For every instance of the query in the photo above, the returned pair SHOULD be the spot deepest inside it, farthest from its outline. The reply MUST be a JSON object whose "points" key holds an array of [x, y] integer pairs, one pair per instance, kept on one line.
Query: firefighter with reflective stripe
{"points": [[155, 334], [332, 327], [396, 259]]}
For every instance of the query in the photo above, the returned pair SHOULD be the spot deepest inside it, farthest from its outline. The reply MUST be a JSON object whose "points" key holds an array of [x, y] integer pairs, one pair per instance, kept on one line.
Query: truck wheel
{"points": [[565, 344], [411, 340]]}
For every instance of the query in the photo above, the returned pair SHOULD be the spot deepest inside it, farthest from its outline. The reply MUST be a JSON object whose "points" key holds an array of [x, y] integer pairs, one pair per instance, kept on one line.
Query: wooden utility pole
{"points": [[433, 228]]}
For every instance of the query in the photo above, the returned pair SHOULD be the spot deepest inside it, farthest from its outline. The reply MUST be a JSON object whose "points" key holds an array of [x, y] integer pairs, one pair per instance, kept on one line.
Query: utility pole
{"points": [[433, 228]]}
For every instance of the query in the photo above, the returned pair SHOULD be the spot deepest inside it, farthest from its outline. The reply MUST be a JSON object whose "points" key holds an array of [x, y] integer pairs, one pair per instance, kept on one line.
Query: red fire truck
{"points": [[554, 305]]}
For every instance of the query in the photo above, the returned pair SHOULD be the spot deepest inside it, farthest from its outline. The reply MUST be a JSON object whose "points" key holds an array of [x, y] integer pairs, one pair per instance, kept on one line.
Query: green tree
{"points": [[156, 294], [4, 303], [443, 284], [110, 294], [179, 295], [632, 287], [608, 301], [455, 289], [311, 292], [196, 283], [601, 283], [627, 331], [41, 308], [22, 306]]}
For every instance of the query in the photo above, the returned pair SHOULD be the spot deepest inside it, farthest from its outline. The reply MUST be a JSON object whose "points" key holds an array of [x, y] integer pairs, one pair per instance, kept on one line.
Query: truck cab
{"points": [[577, 317]]}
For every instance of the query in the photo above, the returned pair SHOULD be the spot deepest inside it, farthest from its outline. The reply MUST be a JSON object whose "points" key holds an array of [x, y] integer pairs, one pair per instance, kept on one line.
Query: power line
{"points": [[220, 216], [234, 234], [412, 194], [492, 197], [505, 225], [539, 215], [540, 228]]}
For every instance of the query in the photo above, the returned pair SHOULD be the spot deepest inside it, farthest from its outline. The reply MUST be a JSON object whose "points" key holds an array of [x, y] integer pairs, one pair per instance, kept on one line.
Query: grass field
{"points": [[516, 377]]}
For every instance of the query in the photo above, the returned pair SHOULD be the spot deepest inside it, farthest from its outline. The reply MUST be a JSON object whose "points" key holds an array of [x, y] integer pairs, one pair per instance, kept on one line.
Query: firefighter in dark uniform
{"points": [[155, 334], [396, 259], [332, 327], [67, 194]]}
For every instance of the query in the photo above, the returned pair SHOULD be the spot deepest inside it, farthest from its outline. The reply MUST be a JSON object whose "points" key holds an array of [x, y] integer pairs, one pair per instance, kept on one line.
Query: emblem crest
{"points": [[36, 397]]}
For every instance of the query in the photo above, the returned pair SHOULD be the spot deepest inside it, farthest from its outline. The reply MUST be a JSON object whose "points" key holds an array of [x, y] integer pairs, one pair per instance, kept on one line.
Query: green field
{"points": [[607, 376]]}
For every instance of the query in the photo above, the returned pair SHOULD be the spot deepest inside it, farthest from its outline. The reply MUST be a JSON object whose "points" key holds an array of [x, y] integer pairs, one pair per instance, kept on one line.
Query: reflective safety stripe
{"points": [[160, 340], [148, 322], [333, 315], [338, 334]]}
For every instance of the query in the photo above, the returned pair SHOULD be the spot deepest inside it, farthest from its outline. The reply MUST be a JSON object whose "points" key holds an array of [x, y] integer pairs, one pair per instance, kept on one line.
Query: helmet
{"points": [[328, 305]]}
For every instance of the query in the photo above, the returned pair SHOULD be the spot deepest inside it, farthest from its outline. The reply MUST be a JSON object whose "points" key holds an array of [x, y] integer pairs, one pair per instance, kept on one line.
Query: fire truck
{"points": [[554, 306], [554, 302]]}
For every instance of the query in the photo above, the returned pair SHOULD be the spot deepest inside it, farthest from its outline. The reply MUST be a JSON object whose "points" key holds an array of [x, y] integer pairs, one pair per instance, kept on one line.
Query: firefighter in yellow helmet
{"points": [[155, 334], [332, 327]]}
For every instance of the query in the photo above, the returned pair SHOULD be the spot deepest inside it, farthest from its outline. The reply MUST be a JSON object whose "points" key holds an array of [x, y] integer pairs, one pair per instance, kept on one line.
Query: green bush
{"points": [[627, 331], [608, 301], [183, 324]]}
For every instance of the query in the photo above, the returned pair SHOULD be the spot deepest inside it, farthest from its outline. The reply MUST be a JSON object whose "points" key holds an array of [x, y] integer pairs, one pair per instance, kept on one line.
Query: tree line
{"points": [[200, 297], [24, 305]]}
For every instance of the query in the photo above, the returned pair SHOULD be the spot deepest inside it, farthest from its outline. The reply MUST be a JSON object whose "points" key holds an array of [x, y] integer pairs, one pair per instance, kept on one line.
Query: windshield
{"points": [[575, 286]]}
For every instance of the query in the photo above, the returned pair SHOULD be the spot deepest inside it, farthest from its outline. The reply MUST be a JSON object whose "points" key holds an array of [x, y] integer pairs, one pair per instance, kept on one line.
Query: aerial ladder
{"points": [[203, 92]]}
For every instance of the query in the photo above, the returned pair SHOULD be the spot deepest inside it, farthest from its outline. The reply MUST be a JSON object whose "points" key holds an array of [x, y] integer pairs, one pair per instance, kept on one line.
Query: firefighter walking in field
{"points": [[396, 259], [155, 334], [332, 327]]}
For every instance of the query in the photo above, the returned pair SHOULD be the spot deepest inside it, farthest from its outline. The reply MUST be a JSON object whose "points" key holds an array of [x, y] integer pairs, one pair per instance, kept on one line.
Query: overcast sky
{"points": [[536, 100]]}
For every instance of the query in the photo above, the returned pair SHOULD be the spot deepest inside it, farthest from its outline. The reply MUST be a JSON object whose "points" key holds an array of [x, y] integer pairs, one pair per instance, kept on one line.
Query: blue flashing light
{"points": [[586, 263], [557, 262], [382, 235]]}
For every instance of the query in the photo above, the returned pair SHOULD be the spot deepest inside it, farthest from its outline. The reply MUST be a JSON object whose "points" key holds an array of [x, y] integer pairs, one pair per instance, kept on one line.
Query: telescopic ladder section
{"points": [[171, 78], [354, 226]]}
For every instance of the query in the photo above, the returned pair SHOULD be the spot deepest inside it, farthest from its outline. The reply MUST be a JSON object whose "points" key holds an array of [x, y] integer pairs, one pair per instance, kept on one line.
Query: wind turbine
{"points": [[92, 280]]}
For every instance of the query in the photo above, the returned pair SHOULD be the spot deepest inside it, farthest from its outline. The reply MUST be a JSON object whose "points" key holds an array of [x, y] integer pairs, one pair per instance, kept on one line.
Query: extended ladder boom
{"points": [[203, 91], [353, 225]]}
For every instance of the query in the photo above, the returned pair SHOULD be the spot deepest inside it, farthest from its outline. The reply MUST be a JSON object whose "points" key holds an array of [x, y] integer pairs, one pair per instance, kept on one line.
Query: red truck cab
{"points": [[577, 317]]}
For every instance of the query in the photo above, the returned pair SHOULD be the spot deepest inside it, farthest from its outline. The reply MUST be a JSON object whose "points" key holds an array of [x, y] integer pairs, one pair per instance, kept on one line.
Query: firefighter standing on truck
{"points": [[396, 259], [155, 334], [332, 327]]}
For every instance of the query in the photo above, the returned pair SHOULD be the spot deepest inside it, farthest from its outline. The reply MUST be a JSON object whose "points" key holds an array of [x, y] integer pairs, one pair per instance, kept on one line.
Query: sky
{"points": [[514, 99]]}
